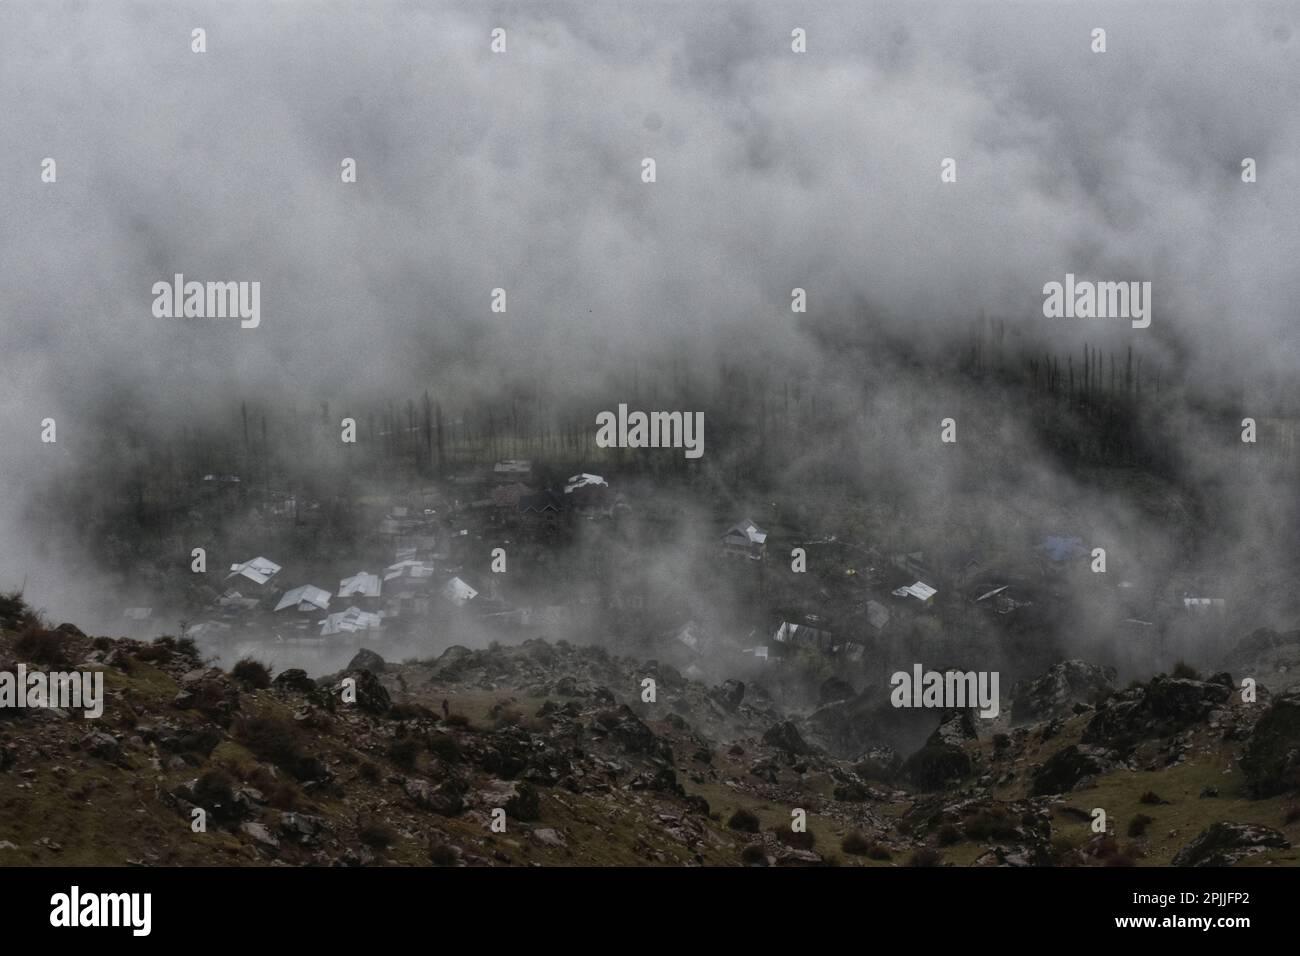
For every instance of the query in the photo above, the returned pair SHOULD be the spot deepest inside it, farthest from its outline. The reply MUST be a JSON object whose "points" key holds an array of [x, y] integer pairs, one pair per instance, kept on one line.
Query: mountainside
{"points": [[559, 737]]}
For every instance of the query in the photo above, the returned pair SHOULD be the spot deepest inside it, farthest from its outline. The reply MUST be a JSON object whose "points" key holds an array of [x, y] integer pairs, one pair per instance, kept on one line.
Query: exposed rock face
{"points": [[955, 728], [518, 799], [785, 736], [212, 696], [1223, 844], [581, 688], [1056, 692], [372, 697], [849, 727], [1272, 758], [367, 660], [729, 694], [631, 733], [878, 763], [833, 689], [294, 679], [1162, 708], [102, 745], [936, 766], [446, 798], [942, 762], [259, 834], [1068, 769], [300, 827], [586, 781]]}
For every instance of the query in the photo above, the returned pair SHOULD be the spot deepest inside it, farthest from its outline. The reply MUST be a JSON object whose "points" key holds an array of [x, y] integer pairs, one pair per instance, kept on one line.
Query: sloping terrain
{"points": [[588, 773]]}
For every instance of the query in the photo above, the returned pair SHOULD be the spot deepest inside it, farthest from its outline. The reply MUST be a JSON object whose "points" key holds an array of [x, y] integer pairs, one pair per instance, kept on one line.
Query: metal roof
{"points": [[361, 584], [259, 570], [305, 598]]}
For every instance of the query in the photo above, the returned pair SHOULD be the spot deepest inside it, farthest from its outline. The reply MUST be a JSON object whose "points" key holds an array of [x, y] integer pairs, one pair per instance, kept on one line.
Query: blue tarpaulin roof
{"points": [[1060, 548]]}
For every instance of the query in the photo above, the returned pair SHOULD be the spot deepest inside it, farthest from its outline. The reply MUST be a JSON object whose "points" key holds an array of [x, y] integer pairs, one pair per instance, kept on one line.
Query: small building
{"points": [[919, 590], [512, 470], [745, 539], [409, 570], [803, 635], [588, 495], [350, 621], [259, 570], [361, 585], [305, 598], [543, 510], [458, 592]]}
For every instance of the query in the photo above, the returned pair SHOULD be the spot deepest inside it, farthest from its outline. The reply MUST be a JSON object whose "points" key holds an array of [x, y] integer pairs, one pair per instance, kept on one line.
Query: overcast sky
{"points": [[522, 170]]}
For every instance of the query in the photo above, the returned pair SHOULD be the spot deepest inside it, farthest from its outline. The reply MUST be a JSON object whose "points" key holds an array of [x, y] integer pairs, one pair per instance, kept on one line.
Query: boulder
{"points": [[1069, 768], [582, 688], [446, 798], [258, 833], [547, 836], [956, 726], [1161, 708], [790, 856], [294, 679], [102, 745], [367, 660], [848, 727], [833, 689], [785, 736], [1223, 844], [662, 780], [300, 827], [371, 696], [937, 766], [878, 763], [519, 800], [729, 694], [631, 733], [1057, 691], [214, 697], [1271, 760]]}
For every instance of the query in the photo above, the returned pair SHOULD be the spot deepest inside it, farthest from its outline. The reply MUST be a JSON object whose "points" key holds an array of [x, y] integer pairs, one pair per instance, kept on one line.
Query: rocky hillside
{"points": [[558, 737]]}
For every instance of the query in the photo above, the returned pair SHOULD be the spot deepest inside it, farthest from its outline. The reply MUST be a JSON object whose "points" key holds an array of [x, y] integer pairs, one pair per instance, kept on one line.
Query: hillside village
{"points": [[503, 555]]}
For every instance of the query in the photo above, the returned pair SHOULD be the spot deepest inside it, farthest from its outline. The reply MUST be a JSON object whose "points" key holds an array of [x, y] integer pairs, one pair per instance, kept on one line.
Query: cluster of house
{"points": [[424, 576], [363, 602], [915, 581], [515, 501], [418, 582]]}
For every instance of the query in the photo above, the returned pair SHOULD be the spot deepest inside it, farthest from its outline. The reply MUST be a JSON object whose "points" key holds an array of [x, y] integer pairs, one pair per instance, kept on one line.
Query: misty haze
{"points": [[650, 433]]}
